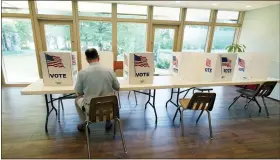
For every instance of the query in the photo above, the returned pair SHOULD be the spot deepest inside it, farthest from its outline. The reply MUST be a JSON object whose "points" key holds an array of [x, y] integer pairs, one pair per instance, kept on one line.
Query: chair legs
{"points": [[119, 99], [134, 96], [260, 109], [182, 122], [235, 99], [128, 95], [266, 110], [116, 120], [87, 135], [123, 141], [248, 107], [199, 116], [210, 126]]}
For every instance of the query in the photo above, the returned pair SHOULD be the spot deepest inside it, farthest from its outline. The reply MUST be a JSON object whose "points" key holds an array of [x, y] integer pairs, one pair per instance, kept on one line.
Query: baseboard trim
{"points": [[273, 99]]}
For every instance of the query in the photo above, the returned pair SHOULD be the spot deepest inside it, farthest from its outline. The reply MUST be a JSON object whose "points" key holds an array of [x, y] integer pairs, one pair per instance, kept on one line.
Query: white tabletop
{"points": [[159, 82]]}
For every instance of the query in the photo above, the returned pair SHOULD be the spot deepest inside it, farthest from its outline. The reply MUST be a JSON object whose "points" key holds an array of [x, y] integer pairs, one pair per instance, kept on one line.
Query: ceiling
{"points": [[223, 5]]}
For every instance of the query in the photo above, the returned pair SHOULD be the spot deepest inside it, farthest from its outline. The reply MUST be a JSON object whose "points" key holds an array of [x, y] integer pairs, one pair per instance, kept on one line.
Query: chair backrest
{"points": [[103, 108], [119, 73], [265, 89], [118, 65], [202, 101]]}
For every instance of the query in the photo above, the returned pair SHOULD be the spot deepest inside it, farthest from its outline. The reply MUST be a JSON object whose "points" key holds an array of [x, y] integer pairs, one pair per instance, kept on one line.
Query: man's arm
{"points": [[116, 84], [79, 85]]}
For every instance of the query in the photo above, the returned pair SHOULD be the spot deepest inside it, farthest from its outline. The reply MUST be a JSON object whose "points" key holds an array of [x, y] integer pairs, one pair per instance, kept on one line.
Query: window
{"points": [[15, 7], [131, 38], [132, 11], [166, 13], [223, 37], [96, 35], [163, 48], [54, 7], [18, 51], [227, 16], [198, 15], [87, 8], [195, 38], [58, 37]]}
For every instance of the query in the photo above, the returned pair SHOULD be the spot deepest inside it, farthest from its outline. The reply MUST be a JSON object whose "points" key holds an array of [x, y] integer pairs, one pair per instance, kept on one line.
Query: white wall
{"points": [[260, 33]]}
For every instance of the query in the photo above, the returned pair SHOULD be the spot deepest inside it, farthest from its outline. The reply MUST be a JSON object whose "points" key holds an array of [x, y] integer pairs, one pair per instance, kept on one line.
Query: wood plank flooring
{"points": [[235, 135]]}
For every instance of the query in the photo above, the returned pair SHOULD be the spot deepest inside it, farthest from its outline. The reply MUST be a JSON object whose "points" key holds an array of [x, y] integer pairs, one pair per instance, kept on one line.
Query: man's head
{"points": [[92, 55]]}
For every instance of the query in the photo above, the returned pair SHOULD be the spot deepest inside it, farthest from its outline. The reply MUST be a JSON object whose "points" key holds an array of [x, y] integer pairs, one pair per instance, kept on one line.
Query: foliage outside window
{"points": [[89, 8], [132, 11], [131, 38], [163, 48], [96, 35], [223, 37], [195, 38], [18, 51], [58, 37]]}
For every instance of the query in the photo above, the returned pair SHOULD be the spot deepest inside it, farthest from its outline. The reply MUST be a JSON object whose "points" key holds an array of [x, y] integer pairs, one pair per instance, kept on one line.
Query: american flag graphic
{"points": [[175, 61], [241, 62], [140, 61], [73, 60], [54, 61], [226, 62], [125, 60], [208, 62]]}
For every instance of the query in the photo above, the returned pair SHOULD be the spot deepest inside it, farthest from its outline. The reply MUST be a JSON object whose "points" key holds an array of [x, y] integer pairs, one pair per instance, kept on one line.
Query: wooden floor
{"points": [[235, 135]]}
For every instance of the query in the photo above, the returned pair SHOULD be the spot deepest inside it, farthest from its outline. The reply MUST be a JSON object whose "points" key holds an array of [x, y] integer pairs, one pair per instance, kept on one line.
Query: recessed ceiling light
{"points": [[178, 1], [248, 6], [214, 4]]}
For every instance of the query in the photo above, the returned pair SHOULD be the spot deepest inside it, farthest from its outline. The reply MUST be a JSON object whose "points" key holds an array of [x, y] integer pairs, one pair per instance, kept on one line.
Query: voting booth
{"points": [[251, 66], [225, 66], [194, 67], [106, 59], [138, 68], [59, 68]]}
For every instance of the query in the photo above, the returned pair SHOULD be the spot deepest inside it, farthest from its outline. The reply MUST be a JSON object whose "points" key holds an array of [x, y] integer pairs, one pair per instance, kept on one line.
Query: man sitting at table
{"points": [[93, 81]]}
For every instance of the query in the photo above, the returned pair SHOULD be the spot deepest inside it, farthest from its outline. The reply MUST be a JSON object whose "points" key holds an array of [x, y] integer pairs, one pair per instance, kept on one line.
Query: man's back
{"points": [[96, 81]]}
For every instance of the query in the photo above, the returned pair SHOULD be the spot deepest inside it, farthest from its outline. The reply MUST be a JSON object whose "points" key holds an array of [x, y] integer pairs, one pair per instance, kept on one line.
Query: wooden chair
{"points": [[263, 90], [199, 101], [103, 109]]}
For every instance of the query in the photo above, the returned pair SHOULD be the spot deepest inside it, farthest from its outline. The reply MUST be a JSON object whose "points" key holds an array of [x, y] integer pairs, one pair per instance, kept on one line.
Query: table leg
{"points": [[148, 99], [48, 113], [154, 107], [171, 96], [51, 100], [152, 95]]}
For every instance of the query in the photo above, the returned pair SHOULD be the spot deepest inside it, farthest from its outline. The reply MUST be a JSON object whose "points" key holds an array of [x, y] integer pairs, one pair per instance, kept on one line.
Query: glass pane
{"points": [[15, 7], [163, 48], [54, 7], [96, 35], [87, 8], [18, 51], [132, 11], [131, 38], [223, 37], [195, 38], [166, 13], [198, 15], [227, 16], [58, 37]]}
